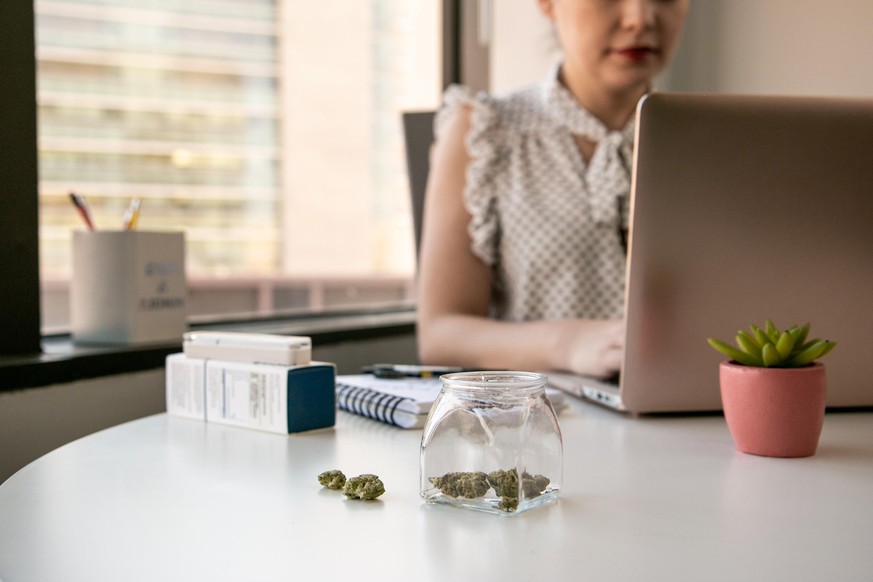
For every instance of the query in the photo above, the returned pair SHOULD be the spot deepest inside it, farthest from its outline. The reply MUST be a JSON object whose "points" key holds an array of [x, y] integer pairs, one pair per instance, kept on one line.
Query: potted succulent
{"points": [[773, 390]]}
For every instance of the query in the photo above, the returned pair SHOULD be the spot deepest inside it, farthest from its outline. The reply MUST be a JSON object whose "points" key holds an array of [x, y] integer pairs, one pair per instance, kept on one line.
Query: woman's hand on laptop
{"points": [[593, 347]]}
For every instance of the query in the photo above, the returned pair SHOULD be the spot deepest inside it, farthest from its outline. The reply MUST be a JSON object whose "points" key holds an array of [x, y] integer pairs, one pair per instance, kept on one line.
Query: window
{"points": [[267, 130]]}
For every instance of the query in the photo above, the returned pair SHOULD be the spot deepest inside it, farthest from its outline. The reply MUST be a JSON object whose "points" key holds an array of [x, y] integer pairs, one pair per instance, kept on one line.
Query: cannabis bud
{"points": [[462, 484], [505, 484], [332, 479], [534, 485], [365, 486]]}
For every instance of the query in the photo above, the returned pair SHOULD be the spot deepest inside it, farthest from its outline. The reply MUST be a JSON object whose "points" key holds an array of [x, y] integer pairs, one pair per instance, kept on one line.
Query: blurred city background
{"points": [[268, 132]]}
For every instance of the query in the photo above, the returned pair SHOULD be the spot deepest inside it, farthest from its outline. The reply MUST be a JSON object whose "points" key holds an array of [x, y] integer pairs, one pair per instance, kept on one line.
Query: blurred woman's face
{"points": [[619, 44]]}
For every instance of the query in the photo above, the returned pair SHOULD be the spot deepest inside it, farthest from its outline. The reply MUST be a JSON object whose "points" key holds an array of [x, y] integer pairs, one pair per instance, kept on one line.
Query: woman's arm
{"points": [[455, 290]]}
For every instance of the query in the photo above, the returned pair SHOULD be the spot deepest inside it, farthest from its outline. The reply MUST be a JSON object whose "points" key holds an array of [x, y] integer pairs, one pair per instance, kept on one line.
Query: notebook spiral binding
{"points": [[369, 403]]}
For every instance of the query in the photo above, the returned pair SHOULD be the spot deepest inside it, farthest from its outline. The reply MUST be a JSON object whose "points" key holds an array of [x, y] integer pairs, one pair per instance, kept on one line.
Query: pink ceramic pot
{"points": [[774, 412]]}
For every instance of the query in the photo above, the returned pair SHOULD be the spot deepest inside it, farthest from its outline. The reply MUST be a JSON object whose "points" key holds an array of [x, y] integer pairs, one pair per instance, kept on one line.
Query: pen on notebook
{"points": [[82, 206], [131, 215], [408, 371]]}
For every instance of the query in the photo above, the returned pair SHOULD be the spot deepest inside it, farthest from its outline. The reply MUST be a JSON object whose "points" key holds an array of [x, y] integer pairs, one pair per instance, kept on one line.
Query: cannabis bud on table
{"points": [[365, 486], [332, 479], [462, 484]]}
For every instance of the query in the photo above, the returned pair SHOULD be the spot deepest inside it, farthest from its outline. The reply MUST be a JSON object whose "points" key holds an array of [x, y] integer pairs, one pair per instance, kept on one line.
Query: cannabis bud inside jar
{"points": [[504, 482]]}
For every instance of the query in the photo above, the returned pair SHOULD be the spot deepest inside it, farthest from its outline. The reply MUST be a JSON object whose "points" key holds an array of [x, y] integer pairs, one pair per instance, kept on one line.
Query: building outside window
{"points": [[267, 130]]}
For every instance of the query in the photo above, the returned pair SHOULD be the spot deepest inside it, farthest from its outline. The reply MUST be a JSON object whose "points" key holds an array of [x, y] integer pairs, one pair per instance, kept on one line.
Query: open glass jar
{"points": [[492, 443]]}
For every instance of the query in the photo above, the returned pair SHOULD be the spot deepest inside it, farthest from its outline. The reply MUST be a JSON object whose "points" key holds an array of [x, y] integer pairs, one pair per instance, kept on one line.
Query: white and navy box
{"points": [[274, 398]]}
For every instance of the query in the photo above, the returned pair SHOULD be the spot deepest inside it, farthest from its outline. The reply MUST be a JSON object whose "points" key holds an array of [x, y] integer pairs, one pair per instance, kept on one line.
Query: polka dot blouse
{"points": [[549, 225]]}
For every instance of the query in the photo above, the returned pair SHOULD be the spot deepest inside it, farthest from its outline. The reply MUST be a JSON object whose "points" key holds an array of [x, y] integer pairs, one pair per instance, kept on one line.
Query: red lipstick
{"points": [[636, 53]]}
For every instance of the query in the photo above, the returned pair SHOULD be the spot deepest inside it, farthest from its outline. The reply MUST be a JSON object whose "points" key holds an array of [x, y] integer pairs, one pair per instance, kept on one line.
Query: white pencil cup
{"points": [[128, 287]]}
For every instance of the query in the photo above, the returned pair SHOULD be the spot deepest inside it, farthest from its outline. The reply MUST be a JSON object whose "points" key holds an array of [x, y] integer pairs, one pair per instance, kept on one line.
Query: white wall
{"points": [[737, 46], [35, 421], [523, 47]]}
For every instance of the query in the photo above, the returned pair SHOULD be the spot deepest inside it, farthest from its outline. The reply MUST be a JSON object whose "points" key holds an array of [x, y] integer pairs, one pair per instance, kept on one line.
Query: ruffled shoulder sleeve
{"points": [[484, 144]]}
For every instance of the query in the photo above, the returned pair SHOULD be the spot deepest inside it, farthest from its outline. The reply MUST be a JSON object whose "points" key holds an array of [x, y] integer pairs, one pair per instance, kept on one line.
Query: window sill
{"points": [[62, 361]]}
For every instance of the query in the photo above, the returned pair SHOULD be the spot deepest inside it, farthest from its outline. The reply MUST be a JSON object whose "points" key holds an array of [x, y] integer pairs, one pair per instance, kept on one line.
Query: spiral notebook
{"points": [[403, 402]]}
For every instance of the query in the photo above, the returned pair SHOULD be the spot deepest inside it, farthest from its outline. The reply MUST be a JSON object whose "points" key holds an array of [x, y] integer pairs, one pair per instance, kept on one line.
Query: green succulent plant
{"points": [[771, 348]]}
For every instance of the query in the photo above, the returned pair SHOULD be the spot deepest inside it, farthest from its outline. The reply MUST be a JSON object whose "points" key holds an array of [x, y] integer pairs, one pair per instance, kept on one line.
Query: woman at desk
{"points": [[523, 252]]}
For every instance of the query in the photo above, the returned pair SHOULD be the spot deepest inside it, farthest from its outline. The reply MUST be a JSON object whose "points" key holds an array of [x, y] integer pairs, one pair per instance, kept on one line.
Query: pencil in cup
{"points": [[82, 208], [131, 215]]}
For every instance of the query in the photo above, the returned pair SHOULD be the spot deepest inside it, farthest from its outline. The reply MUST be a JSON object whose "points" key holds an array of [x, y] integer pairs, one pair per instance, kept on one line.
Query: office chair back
{"points": [[418, 135]]}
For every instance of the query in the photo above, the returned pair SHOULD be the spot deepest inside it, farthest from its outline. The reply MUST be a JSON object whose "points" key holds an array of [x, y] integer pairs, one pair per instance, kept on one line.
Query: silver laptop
{"points": [[744, 208]]}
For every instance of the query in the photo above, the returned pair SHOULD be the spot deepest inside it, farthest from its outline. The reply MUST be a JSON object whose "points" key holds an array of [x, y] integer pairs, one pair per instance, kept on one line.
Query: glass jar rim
{"points": [[495, 381]]}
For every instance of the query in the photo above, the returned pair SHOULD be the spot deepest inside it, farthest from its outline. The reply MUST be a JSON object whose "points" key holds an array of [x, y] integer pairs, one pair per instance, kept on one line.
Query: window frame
{"points": [[19, 255], [20, 317]]}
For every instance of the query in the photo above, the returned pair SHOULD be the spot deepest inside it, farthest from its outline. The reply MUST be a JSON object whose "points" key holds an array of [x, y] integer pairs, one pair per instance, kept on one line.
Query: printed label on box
{"points": [[253, 396], [186, 386]]}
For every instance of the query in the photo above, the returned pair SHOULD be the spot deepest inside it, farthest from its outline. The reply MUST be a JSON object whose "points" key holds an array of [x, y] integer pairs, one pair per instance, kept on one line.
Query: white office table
{"points": [[664, 498]]}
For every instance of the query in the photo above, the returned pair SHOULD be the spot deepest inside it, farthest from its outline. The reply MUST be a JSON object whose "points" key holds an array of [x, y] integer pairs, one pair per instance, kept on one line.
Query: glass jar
{"points": [[488, 433]]}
